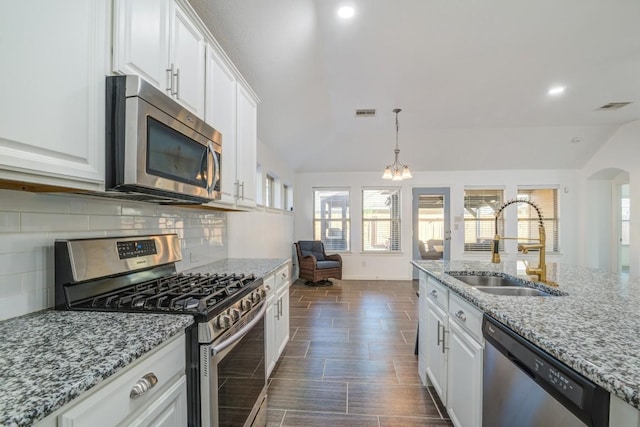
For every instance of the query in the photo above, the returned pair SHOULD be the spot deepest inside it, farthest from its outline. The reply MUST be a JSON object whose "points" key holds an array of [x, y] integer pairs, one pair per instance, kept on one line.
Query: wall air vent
{"points": [[366, 112], [613, 106]]}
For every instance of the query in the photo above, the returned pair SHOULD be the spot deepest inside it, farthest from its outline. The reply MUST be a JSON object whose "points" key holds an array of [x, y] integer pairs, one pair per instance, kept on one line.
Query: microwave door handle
{"points": [[216, 171], [210, 167]]}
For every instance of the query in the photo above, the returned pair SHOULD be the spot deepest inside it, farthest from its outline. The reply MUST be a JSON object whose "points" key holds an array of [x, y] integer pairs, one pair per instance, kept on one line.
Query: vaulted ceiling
{"points": [[470, 76]]}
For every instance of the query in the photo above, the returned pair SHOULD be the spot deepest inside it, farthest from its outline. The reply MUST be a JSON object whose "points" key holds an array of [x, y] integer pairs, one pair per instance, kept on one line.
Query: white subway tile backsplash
{"points": [[9, 222], [30, 223], [22, 201], [10, 285]]}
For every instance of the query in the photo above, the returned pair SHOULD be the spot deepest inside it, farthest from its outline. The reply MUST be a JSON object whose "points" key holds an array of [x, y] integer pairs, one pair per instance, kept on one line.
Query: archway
{"points": [[607, 239]]}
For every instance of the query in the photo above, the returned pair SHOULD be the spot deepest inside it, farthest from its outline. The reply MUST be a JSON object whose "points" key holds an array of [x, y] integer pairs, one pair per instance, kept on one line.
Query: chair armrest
{"points": [[334, 257], [308, 260]]}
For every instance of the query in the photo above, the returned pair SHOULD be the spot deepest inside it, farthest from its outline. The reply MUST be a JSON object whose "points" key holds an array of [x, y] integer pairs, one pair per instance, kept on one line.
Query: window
{"points": [[625, 205], [269, 191], [381, 220], [331, 218], [287, 203], [480, 207], [547, 201]]}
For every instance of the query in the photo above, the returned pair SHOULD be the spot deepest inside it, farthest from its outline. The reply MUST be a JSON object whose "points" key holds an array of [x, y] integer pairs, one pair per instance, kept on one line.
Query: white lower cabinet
{"points": [[450, 351], [437, 328], [111, 403], [277, 316], [464, 376]]}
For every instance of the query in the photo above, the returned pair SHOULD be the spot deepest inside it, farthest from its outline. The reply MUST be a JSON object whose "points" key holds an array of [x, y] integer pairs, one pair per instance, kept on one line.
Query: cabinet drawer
{"points": [[437, 293], [282, 276], [110, 403], [466, 315], [270, 282]]}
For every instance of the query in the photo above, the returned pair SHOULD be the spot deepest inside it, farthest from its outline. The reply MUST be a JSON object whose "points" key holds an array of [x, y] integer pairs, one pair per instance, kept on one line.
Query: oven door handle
{"points": [[240, 334]]}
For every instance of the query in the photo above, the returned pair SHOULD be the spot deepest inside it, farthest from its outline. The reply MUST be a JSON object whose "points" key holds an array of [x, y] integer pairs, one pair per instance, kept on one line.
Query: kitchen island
{"points": [[593, 328]]}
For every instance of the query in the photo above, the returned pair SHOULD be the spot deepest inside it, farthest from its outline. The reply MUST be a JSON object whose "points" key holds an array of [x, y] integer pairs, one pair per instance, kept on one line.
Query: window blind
{"points": [[331, 218], [547, 201], [480, 207], [381, 220]]}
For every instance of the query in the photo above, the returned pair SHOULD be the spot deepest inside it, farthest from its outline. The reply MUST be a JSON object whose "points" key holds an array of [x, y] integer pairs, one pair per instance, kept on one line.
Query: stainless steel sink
{"points": [[485, 280], [521, 291]]}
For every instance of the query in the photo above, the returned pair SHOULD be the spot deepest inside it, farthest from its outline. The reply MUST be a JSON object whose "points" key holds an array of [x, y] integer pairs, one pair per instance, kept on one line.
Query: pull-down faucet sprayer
{"points": [[541, 270]]}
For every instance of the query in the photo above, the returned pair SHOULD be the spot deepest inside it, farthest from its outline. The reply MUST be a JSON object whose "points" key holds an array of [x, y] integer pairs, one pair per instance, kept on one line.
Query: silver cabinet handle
{"points": [[460, 315], [143, 385], [177, 93], [438, 337], [170, 80], [434, 293]]}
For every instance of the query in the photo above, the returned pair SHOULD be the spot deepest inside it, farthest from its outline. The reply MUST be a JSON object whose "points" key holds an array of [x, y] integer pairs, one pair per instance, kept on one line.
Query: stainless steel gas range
{"points": [[226, 375]]}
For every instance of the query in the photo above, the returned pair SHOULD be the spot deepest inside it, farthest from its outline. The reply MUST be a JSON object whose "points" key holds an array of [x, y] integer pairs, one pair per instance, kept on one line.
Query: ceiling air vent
{"points": [[613, 106], [366, 112]]}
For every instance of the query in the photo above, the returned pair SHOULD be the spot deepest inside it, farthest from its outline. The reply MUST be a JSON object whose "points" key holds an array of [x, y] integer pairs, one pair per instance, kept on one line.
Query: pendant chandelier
{"points": [[396, 170]]}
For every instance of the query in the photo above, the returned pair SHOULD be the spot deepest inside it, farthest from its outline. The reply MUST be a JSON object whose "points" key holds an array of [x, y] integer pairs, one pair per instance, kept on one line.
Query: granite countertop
{"points": [[50, 357], [259, 266], [594, 329]]}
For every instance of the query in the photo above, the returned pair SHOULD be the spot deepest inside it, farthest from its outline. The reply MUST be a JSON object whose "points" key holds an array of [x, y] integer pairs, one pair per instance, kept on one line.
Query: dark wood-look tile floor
{"points": [[350, 361]]}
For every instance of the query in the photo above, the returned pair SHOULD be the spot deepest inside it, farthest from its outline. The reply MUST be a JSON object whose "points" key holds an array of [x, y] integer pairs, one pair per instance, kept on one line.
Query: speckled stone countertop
{"points": [[258, 266], [50, 357], [594, 329]]}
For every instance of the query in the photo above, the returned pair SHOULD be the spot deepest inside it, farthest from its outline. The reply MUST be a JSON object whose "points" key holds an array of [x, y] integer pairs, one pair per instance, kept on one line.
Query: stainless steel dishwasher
{"points": [[525, 387]]}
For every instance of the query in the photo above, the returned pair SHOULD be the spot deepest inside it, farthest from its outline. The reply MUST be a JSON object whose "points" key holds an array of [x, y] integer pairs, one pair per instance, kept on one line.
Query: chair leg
{"points": [[321, 283]]}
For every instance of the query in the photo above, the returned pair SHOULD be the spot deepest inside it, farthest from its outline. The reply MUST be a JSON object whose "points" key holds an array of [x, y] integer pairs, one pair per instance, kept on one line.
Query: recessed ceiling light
{"points": [[556, 90], [346, 12]]}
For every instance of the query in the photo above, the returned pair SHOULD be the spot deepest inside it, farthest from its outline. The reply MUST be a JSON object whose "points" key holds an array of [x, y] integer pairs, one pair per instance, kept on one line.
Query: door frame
{"points": [[437, 191]]}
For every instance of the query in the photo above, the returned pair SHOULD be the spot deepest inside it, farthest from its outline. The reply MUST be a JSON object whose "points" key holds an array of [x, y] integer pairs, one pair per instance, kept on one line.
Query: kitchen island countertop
{"points": [[594, 329]]}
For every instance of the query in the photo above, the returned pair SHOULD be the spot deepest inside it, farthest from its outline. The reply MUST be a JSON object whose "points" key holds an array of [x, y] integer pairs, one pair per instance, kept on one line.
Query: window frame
{"points": [[269, 191], [333, 244], [552, 234], [391, 220], [488, 247]]}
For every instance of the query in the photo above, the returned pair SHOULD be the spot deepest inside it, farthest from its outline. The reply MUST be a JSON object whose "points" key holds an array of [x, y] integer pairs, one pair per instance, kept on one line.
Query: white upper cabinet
{"points": [[53, 81], [141, 39], [187, 63], [220, 113], [159, 42], [247, 142]]}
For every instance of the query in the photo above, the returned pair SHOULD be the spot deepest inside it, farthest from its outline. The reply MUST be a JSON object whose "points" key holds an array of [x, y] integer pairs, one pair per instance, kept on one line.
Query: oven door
{"points": [[233, 377]]}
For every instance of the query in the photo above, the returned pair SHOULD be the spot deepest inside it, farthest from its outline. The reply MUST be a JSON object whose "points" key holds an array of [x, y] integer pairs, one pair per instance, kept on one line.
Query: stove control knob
{"points": [[263, 293], [246, 304], [234, 313], [256, 297], [223, 321]]}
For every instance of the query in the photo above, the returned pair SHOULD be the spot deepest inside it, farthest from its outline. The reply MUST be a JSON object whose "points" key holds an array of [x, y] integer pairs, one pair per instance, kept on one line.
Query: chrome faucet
{"points": [[541, 270]]}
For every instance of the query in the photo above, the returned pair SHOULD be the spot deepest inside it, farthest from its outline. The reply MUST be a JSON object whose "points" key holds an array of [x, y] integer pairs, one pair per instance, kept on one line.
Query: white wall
{"points": [[621, 152], [358, 265], [31, 222], [265, 232]]}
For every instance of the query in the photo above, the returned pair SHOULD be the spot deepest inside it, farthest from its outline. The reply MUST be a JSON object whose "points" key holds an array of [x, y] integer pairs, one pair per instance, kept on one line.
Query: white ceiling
{"points": [[470, 76]]}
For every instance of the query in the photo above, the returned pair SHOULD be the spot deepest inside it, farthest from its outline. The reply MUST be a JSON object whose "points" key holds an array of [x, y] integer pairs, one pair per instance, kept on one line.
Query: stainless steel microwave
{"points": [[157, 150]]}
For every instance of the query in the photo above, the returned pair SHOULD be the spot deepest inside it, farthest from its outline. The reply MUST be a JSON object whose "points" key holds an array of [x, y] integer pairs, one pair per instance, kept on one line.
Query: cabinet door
{"points": [[187, 57], [270, 334], [169, 410], [422, 329], [53, 84], [141, 33], [464, 394], [282, 330], [220, 113], [247, 140], [437, 328]]}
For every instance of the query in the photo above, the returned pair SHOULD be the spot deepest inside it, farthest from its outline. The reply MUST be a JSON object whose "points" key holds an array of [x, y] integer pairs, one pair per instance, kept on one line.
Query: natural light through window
{"points": [[331, 218], [381, 220]]}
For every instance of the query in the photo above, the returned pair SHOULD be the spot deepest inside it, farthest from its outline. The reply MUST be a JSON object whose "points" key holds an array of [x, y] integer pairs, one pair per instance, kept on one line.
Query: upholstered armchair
{"points": [[316, 267]]}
